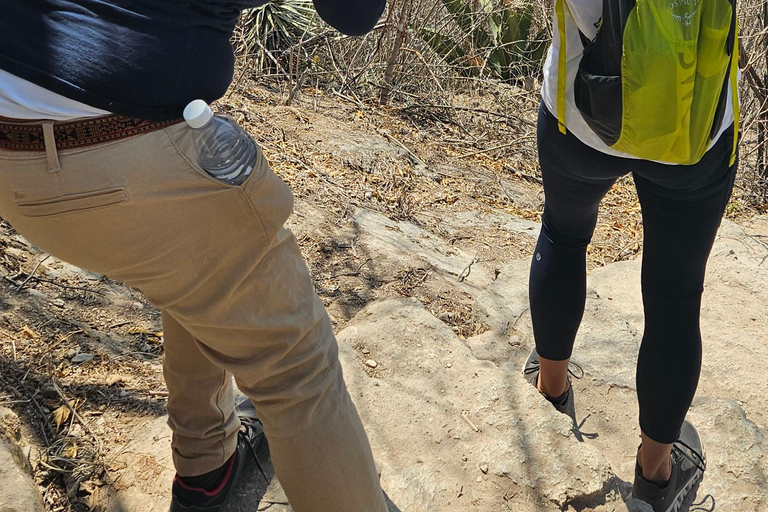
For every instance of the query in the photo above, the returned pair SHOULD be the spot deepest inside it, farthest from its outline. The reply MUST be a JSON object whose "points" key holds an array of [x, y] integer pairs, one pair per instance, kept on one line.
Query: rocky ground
{"points": [[419, 247]]}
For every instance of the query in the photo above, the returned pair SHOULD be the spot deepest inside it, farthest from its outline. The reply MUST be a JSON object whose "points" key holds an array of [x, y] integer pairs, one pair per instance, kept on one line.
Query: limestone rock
{"points": [[737, 467], [454, 426], [18, 491], [410, 246], [488, 413]]}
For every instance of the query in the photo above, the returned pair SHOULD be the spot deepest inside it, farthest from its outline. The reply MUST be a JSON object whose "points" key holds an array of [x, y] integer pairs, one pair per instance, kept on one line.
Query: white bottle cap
{"points": [[197, 114]]}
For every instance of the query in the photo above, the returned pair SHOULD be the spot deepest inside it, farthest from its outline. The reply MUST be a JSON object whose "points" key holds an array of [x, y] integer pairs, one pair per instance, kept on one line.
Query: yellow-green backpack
{"points": [[654, 81]]}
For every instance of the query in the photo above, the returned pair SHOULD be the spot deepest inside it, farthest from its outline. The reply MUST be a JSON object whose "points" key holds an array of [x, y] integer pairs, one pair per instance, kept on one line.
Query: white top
{"points": [[197, 114], [20, 99], [587, 14]]}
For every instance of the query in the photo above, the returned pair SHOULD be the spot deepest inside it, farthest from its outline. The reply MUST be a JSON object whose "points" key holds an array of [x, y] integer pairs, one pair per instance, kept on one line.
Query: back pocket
{"points": [[73, 203]]}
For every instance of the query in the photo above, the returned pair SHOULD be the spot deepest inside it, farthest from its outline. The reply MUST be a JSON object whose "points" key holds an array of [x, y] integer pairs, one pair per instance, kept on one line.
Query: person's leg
{"points": [[201, 405], [576, 178], [216, 259], [682, 208]]}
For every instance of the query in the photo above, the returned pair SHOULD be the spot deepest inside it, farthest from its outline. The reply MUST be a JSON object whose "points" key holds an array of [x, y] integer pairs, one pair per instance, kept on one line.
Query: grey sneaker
{"points": [[688, 466], [563, 403]]}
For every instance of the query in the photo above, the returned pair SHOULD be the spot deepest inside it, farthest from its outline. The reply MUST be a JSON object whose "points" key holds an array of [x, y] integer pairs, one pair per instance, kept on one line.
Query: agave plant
{"points": [[270, 29], [501, 39]]}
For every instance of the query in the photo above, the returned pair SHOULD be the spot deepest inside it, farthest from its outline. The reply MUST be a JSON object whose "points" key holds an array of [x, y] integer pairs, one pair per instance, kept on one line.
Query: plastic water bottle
{"points": [[226, 151]]}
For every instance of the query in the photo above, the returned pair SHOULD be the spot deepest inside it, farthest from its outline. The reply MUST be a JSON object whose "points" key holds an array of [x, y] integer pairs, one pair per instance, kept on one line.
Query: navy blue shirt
{"points": [[140, 58]]}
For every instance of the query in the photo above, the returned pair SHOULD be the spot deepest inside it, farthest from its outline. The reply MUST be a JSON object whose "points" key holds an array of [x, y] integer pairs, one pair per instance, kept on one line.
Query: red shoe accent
{"points": [[217, 490]]}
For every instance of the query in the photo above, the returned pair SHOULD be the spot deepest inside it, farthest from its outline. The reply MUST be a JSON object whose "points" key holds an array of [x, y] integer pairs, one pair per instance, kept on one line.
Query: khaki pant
{"points": [[235, 295]]}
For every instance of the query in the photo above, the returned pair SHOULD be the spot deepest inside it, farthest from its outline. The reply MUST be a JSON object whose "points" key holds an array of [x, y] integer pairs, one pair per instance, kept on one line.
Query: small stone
{"points": [[368, 195], [58, 303], [49, 391], [449, 365], [36, 293], [479, 479], [366, 351], [81, 358], [92, 276], [484, 468], [371, 363], [464, 459]]}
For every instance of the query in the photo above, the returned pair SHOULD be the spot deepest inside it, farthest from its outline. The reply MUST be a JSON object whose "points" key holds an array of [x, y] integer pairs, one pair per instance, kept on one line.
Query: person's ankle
{"points": [[659, 473], [209, 482], [552, 390]]}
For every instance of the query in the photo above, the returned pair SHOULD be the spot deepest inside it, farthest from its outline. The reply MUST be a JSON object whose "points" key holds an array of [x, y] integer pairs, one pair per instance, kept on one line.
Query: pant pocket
{"points": [[271, 198], [73, 203]]}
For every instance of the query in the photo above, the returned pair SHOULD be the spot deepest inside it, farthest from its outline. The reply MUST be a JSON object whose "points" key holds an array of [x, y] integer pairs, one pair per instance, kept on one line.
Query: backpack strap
{"points": [[735, 87], [560, 8]]}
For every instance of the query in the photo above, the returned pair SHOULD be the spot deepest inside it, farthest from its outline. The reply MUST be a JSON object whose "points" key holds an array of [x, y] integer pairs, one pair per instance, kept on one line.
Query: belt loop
{"points": [[50, 147]]}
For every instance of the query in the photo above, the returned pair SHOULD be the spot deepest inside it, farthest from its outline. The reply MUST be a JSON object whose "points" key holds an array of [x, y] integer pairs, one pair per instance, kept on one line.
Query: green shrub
{"points": [[501, 39], [271, 29]]}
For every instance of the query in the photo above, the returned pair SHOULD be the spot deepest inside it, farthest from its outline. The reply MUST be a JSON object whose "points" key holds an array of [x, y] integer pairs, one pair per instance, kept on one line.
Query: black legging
{"points": [[682, 207]]}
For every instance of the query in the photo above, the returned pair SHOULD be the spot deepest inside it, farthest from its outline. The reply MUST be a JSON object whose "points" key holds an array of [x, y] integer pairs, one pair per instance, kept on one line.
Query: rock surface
{"points": [[455, 427], [18, 492], [472, 428]]}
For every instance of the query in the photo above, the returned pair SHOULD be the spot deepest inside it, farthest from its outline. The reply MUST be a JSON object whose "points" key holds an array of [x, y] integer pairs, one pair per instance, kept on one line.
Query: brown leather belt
{"points": [[17, 135]]}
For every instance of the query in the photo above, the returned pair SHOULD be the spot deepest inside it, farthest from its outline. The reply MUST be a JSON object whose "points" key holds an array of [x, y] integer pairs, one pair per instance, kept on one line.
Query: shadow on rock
{"points": [[579, 434], [391, 506]]}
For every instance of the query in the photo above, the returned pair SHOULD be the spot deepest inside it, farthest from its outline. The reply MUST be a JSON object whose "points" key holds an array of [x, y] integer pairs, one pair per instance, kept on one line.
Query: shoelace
{"points": [[698, 461], [535, 366], [250, 431]]}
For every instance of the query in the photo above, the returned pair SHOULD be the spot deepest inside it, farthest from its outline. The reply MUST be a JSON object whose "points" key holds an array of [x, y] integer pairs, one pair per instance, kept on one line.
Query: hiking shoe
{"points": [[563, 403], [688, 466], [251, 444]]}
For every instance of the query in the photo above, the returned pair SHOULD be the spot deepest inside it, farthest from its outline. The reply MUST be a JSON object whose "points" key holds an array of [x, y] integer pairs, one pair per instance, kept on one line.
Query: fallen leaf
{"points": [[61, 415], [71, 452], [27, 332]]}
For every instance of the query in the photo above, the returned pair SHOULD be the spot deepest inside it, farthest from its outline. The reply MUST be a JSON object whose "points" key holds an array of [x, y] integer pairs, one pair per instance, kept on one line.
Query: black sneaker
{"points": [[251, 444], [688, 466], [563, 403]]}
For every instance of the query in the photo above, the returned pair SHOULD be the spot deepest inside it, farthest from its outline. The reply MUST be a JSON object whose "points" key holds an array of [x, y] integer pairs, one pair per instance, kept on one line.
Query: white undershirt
{"points": [[585, 16], [21, 99]]}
